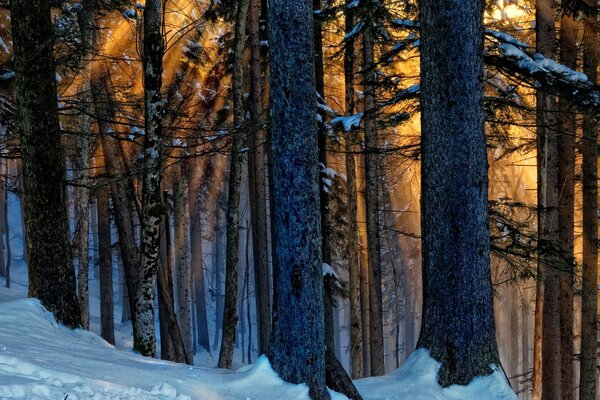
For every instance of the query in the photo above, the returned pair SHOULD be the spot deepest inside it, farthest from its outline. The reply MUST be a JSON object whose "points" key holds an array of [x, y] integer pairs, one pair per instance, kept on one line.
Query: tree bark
{"points": [[356, 345], [182, 266], [230, 314], [566, 213], [589, 293], [107, 325], [51, 271], [195, 177], [298, 322], [372, 196], [548, 243], [458, 324], [257, 176]]}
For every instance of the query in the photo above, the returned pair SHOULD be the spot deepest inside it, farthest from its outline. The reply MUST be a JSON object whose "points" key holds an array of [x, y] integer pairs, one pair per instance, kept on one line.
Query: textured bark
{"points": [[337, 379], [195, 177], [152, 202], [566, 213], [548, 260], [182, 266], [107, 325], [356, 350], [230, 314], [51, 272], [328, 280], [458, 324], [298, 324], [372, 196], [82, 163], [257, 176], [589, 293]]}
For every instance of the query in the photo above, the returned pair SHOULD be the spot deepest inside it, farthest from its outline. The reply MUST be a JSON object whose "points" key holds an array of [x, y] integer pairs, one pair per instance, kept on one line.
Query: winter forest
{"points": [[299, 199]]}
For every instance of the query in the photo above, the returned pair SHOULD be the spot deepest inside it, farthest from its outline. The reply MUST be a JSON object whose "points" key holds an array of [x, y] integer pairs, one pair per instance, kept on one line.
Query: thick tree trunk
{"points": [[372, 195], [589, 293], [356, 345], [458, 324], [298, 323], [167, 349], [566, 213], [51, 272], [548, 212], [107, 325], [230, 314], [257, 176]]}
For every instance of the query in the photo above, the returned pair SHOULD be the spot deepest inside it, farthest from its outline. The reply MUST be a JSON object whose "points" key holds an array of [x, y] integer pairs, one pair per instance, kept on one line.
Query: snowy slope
{"points": [[40, 359]]}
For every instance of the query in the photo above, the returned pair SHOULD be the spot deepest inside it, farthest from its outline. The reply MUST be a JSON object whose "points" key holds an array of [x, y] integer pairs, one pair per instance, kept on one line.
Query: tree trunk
{"points": [[257, 176], [182, 266], [548, 212], [356, 345], [195, 177], [298, 322], [458, 324], [230, 316], [372, 195], [82, 163], [6, 232], [566, 190], [589, 293], [122, 202], [51, 271], [107, 325]]}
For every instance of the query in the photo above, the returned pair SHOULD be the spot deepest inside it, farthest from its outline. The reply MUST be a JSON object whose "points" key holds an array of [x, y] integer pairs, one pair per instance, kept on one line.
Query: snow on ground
{"points": [[43, 360]]}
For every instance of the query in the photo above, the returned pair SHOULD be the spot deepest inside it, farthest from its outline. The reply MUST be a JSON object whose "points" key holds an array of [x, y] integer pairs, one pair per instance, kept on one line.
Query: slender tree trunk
{"points": [[258, 186], [218, 265], [195, 176], [328, 279], [7, 230], [167, 349], [51, 271], [356, 345], [548, 212], [458, 324], [372, 194], [3, 217], [182, 266], [589, 293], [107, 325], [230, 314], [566, 213], [82, 164]]}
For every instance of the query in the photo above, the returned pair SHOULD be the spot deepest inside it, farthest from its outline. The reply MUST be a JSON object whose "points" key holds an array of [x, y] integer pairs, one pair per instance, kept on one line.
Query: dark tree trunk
{"points": [[548, 258], [107, 325], [566, 189], [458, 323], [257, 175], [589, 293], [195, 177], [51, 272], [152, 202], [372, 196], [298, 323], [230, 314], [356, 345]]}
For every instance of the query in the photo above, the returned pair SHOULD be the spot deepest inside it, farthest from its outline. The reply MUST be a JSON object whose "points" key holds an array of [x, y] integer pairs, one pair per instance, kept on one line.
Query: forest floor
{"points": [[40, 359], [43, 360]]}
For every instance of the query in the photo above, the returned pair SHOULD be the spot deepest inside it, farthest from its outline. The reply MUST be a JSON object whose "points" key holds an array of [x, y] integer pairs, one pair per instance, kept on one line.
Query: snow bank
{"points": [[40, 359], [416, 379]]}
